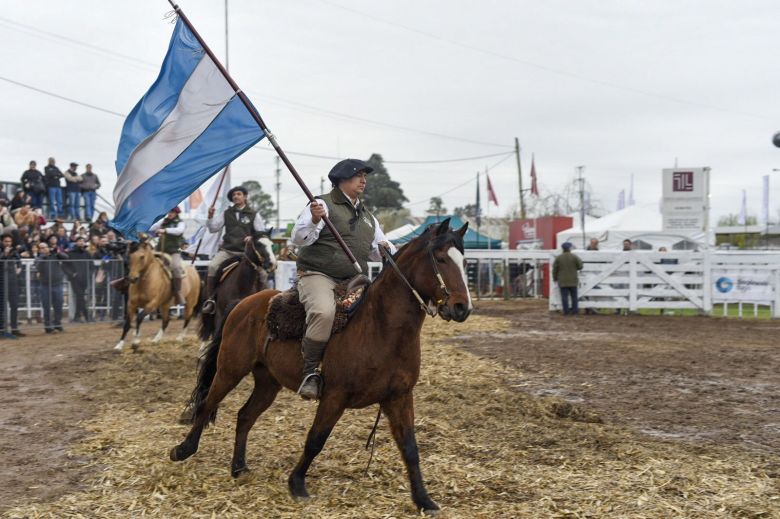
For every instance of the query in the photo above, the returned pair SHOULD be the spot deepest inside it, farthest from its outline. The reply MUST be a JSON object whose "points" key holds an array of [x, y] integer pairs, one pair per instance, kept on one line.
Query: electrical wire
{"points": [[32, 31], [547, 69], [58, 96]]}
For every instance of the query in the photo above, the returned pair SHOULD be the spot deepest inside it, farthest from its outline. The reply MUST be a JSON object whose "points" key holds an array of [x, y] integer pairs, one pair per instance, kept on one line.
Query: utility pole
{"points": [[581, 181], [278, 186], [322, 185], [520, 178]]}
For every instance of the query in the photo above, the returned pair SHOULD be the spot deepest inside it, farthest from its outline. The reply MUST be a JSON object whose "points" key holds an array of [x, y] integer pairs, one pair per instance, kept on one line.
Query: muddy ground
{"points": [[688, 378], [686, 384]]}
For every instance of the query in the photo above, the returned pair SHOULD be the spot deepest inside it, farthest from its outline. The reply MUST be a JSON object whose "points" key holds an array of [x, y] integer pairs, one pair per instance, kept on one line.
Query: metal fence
{"points": [[51, 293]]}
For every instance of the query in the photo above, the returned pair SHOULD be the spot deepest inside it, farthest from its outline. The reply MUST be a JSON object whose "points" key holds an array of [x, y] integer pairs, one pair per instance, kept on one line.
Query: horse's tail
{"points": [[208, 368], [207, 324]]}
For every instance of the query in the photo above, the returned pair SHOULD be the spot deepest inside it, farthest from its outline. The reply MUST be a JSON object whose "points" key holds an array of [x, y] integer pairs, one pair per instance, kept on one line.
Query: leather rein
{"points": [[442, 285]]}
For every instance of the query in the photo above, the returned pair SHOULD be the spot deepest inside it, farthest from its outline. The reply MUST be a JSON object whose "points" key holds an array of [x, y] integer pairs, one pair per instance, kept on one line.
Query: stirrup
{"points": [[209, 306], [318, 382]]}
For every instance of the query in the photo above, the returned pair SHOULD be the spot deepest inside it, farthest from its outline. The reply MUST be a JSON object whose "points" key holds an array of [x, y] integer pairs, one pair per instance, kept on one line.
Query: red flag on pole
{"points": [[534, 186], [491, 193]]}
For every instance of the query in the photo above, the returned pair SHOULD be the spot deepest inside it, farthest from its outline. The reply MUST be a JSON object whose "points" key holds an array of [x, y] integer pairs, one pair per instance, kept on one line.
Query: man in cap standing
{"points": [[52, 176], [170, 233], [321, 262], [241, 223], [72, 190], [565, 268]]}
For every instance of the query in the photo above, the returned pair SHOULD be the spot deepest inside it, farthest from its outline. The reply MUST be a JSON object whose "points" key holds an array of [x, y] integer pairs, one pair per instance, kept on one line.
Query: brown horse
{"points": [[150, 290], [376, 359], [246, 278]]}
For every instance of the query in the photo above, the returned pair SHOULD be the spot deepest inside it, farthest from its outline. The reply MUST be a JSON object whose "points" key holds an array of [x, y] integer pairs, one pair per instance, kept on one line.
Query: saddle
{"points": [[165, 262], [286, 317]]}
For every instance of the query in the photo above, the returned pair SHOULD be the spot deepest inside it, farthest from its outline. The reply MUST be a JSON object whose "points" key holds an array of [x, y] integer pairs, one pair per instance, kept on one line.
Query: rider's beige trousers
{"points": [[316, 293]]}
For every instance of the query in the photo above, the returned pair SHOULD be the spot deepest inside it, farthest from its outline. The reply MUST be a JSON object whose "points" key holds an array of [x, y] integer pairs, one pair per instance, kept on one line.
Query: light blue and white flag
{"points": [[188, 126]]}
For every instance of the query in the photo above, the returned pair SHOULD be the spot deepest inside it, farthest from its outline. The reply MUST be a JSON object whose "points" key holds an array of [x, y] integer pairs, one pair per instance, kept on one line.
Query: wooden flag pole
{"points": [[259, 120]]}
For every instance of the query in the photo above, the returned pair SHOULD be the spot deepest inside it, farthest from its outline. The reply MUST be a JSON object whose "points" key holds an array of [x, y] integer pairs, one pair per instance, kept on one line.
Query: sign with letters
{"points": [[686, 199]]}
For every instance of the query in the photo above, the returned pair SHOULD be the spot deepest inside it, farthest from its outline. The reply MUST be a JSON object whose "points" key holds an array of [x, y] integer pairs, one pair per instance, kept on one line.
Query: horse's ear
{"points": [[443, 227], [463, 229]]}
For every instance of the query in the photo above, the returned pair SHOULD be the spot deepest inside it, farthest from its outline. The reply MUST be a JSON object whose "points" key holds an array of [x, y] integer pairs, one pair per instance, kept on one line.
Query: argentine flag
{"points": [[188, 126]]}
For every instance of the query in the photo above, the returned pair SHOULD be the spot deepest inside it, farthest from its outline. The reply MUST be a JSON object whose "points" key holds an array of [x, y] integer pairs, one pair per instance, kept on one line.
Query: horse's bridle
{"points": [[259, 267], [442, 285]]}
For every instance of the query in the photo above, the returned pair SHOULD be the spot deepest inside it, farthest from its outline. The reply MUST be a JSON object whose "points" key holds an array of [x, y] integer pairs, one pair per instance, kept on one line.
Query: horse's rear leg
{"points": [[224, 382], [263, 395], [328, 413], [139, 318], [165, 313], [400, 413], [126, 328]]}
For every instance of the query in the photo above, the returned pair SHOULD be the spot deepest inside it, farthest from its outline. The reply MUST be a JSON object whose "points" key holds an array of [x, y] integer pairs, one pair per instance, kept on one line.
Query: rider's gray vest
{"points": [[356, 226]]}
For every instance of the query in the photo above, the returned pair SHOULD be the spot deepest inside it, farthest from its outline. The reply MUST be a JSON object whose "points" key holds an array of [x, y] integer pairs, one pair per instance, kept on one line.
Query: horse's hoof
{"points": [[179, 453], [239, 472], [119, 347], [428, 507], [298, 489], [136, 347]]}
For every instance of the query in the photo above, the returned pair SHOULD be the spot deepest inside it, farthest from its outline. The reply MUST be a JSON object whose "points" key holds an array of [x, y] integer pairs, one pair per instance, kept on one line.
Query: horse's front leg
{"points": [[400, 413], [126, 327], [328, 413]]}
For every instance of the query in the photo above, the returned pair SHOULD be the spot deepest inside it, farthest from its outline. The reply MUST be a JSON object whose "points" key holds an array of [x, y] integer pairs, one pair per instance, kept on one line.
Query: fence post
{"points": [[707, 281], [776, 305], [633, 287]]}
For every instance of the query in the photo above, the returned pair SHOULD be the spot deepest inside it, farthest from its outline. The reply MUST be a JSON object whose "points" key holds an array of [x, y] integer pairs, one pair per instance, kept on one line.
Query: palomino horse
{"points": [[376, 359], [151, 289], [249, 276]]}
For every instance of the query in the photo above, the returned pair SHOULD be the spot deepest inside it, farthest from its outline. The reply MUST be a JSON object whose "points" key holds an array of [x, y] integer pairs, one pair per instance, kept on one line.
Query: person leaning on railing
{"points": [[10, 268]]}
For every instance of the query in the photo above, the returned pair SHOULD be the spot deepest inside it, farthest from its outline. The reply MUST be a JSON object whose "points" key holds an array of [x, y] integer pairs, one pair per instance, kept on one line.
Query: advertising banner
{"points": [[742, 285]]}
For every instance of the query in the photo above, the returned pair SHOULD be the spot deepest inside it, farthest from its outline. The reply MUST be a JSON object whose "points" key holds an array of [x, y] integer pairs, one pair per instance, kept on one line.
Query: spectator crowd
{"points": [[64, 250]]}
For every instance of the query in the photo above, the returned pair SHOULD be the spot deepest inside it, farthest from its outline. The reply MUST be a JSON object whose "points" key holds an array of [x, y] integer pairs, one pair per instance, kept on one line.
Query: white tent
{"points": [[635, 222], [400, 231]]}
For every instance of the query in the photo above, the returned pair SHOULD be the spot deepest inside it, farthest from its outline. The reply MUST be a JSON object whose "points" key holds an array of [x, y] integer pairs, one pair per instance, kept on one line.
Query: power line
{"points": [[32, 31], [460, 185], [68, 99], [546, 68], [312, 155], [437, 161]]}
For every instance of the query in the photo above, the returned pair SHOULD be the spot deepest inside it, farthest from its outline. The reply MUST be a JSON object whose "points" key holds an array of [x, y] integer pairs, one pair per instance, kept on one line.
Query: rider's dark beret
{"points": [[348, 168], [233, 190]]}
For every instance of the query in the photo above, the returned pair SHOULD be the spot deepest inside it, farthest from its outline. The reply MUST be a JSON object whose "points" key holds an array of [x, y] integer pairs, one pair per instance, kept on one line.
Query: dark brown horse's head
{"points": [[435, 265], [139, 257], [259, 251]]}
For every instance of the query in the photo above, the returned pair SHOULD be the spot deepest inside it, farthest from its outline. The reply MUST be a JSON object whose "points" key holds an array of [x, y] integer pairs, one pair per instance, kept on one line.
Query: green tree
{"points": [[437, 206], [733, 220], [381, 191], [259, 200], [467, 211]]}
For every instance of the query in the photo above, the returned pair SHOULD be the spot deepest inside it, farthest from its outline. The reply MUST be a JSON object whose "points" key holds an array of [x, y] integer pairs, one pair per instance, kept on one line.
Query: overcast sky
{"points": [[618, 86]]}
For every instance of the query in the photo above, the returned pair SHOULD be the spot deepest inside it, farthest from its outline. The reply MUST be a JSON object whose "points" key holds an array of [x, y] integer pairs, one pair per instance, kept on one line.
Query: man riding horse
{"points": [[240, 223], [170, 232], [321, 262]]}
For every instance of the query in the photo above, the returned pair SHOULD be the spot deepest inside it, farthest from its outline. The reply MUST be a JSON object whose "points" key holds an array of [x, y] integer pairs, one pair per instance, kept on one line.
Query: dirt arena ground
{"points": [[520, 413]]}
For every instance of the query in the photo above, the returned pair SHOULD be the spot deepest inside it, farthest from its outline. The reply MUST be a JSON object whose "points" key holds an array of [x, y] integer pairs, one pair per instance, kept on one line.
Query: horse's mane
{"points": [[429, 237]]}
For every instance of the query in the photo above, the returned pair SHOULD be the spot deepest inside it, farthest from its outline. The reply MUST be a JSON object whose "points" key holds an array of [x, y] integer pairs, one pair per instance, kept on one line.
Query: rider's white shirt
{"points": [[305, 232], [218, 222], [176, 231]]}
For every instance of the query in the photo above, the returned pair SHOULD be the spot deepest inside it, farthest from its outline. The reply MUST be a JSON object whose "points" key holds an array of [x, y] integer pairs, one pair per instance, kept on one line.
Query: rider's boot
{"points": [[177, 291], [210, 306], [121, 284], [312, 380]]}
